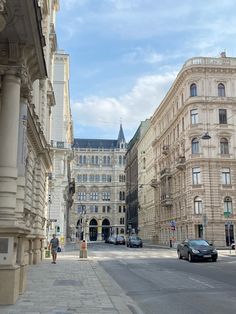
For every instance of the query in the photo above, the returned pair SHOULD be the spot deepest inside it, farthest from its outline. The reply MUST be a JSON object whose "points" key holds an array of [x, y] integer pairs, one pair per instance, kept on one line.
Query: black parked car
{"points": [[120, 240], [134, 241], [196, 250]]}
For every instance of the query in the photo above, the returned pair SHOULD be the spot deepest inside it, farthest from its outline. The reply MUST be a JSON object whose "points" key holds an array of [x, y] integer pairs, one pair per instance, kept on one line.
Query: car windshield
{"points": [[199, 242], [135, 238], [120, 237]]}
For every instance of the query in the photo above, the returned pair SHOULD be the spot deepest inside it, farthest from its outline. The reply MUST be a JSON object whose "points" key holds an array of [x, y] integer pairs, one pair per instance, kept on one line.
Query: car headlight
{"points": [[214, 251], [195, 251]]}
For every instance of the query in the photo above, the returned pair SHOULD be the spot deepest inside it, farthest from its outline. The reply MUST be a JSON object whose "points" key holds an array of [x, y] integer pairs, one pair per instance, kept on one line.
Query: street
{"points": [[159, 283]]}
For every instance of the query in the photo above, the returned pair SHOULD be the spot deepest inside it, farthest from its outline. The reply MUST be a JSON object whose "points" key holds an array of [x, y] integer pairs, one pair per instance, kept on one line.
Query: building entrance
{"points": [[229, 233], [105, 229], [93, 230]]}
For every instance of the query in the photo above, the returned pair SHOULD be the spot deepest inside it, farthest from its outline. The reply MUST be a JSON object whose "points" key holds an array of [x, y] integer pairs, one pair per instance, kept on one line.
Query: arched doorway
{"points": [[105, 229], [93, 230]]}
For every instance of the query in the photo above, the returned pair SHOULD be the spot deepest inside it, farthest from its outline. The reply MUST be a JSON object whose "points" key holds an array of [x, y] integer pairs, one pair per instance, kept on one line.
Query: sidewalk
{"points": [[71, 286]]}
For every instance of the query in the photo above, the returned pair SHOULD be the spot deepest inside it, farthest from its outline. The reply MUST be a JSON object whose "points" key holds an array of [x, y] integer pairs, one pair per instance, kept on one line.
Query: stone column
{"points": [[99, 238], [9, 124]]}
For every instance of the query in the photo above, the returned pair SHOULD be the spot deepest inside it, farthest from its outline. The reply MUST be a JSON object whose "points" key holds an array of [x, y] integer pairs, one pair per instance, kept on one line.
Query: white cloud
{"points": [[142, 55], [137, 105]]}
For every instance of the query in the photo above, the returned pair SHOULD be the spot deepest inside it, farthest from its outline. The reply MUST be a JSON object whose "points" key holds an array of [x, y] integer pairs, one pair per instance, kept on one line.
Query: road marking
{"points": [[202, 282]]}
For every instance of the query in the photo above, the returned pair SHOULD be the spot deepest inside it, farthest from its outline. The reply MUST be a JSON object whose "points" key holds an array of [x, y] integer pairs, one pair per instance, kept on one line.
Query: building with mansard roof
{"points": [[195, 153], [99, 201]]}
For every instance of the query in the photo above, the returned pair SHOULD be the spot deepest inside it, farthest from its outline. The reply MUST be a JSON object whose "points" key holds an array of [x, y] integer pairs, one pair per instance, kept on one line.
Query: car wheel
{"points": [[141, 245], [179, 255], [127, 245], [190, 258], [214, 259]]}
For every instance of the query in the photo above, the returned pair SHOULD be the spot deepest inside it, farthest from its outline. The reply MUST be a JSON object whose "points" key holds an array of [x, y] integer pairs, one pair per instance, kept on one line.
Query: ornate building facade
{"points": [[147, 218], [27, 41], [60, 184], [99, 202], [134, 186], [195, 153]]}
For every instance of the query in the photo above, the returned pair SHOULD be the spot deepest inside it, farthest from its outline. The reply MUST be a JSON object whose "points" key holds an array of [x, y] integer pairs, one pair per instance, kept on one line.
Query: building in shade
{"points": [[99, 201], [132, 179], [28, 42]]}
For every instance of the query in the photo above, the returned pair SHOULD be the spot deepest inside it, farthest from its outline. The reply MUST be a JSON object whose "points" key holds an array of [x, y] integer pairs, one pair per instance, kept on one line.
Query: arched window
{"points": [[193, 90], [224, 146], [197, 205], [221, 90], [228, 207], [195, 146]]}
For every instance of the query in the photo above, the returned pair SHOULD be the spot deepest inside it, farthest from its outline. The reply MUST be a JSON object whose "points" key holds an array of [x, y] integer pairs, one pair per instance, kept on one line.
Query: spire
{"points": [[121, 137]]}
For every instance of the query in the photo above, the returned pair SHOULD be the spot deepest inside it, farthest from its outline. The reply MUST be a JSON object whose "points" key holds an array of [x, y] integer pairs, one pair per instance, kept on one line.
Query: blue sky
{"points": [[125, 54]]}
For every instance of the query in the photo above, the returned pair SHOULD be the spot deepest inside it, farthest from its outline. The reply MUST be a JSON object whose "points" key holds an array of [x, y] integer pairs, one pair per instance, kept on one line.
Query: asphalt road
{"points": [[159, 283]]}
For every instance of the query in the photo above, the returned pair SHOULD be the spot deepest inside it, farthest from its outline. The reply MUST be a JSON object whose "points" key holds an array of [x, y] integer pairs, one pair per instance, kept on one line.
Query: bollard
{"points": [[83, 253]]}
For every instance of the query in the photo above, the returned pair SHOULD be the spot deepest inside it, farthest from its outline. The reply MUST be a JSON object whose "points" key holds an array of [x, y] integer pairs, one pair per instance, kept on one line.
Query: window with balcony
{"points": [[221, 90], [225, 176], [222, 116], [195, 146], [197, 205], [193, 90], [224, 146], [196, 176], [194, 116]]}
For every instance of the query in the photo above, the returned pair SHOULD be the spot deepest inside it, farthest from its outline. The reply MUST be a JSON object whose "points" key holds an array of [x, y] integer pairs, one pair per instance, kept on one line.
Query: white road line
{"points": [[202, 282]]}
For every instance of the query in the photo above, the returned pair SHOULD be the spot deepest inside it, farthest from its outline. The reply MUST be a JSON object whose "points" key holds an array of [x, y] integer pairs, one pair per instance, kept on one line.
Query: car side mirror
{"points": [[210, 244]]}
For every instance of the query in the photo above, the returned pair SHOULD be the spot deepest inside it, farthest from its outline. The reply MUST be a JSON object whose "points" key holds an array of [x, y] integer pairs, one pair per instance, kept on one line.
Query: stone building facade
{"points": [[61, 152], [195, 153], [27, 41], [133, 189], [147, 218], [99, 201]]}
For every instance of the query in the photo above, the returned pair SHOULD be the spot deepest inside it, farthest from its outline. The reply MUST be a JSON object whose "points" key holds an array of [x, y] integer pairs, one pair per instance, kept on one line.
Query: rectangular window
{"points": [[97, 178], [196, 175], [91, 178], [194, 116], [85, 178], [94, 196], [106, 196], [104, 177], [222, 116], [81, 196], [225, 175]]}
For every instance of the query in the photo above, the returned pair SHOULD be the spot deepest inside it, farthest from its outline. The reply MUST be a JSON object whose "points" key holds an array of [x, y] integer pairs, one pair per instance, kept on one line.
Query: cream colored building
{"points": [[27, 39], [61, 151], [147, 219], [196, 177], [99, 201]]}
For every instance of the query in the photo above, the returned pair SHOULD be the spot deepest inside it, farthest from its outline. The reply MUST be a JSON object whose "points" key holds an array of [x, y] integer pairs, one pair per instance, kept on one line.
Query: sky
{"points": [[125, 55]]}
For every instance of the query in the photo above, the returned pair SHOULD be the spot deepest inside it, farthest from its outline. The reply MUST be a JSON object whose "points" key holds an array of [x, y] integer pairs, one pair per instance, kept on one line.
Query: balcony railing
{"points": [[165, 172], [166, 200], [181, 163]]}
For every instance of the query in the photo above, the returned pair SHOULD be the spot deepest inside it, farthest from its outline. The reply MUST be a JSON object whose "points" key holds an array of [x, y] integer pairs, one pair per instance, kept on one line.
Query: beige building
{"points": [[61, 151], [27, 39], [99, 201], [196, 175]]}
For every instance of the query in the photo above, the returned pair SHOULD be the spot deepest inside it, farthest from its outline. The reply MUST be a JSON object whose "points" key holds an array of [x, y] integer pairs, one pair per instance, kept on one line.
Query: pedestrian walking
{"points": [[54, 245]]}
